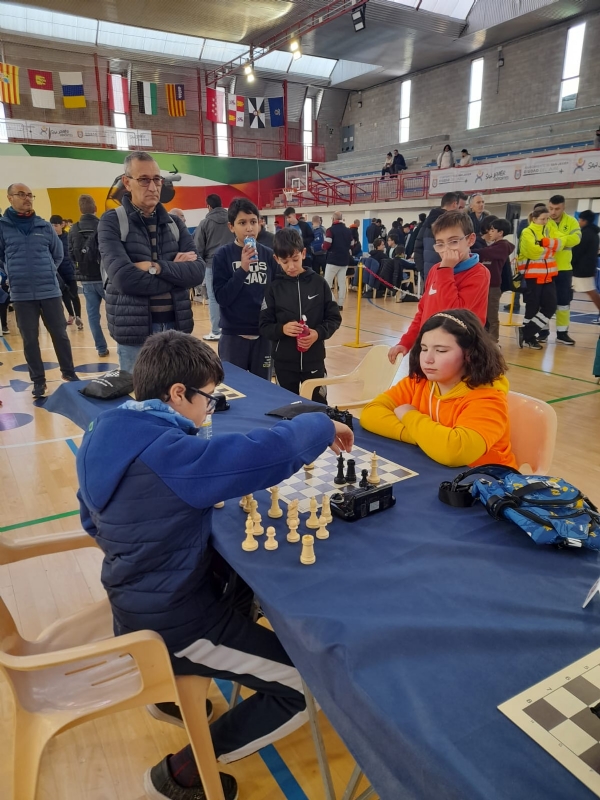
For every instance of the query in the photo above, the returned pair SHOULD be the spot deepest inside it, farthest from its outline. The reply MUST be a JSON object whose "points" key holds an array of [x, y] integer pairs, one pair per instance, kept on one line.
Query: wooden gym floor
{"points": [[106, 759]]}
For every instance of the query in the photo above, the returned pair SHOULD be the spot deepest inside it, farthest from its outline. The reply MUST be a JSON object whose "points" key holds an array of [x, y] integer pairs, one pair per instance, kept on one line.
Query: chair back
{"points": [[533, 426], [375, 373]]}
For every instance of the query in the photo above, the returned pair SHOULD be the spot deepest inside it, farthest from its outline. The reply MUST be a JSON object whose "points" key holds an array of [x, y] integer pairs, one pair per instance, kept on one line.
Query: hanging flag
{"points": [[215, 105], [72, 89], [256, 112], [236, 107], [42, 88], [276, 112], [9, 84], [175, 99], [118, 94], [147, 97]]}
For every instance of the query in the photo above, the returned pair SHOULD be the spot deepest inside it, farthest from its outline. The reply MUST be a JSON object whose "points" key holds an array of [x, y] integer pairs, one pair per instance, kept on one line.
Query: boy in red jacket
{"points": [[493, 257], [458, 281]]}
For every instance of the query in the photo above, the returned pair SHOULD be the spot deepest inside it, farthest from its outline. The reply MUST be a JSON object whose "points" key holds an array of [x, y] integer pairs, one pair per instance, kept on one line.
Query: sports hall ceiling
{"points": [[401, 36]]}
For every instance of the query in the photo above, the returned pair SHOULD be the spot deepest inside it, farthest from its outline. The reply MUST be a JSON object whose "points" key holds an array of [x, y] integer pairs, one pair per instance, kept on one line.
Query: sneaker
{"points": [[170, 712], [69, 378], [104, 353], [562, 337], [212, 337], [79, 323], [39, 389], [543, 336], [341, 308], [159, 785], [71, 320], [533, 343], [5, 331]]}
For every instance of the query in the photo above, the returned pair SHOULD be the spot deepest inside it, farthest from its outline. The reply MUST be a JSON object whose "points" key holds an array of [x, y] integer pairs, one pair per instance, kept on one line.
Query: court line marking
{"points": [[41, 441], [572, 396], [554, 374], [29, 522], [72, 446], [6, 344]]}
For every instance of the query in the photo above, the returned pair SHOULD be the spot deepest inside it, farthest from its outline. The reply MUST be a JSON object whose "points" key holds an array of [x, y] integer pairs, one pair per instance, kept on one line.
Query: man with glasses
{"points": [[31, 252], [150, 260]]}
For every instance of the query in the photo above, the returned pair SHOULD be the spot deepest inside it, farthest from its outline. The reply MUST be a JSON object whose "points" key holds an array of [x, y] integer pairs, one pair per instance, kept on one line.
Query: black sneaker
{"points": [[159, 785], [39, 389], [533, 343], [104, 353], [543, 336], [562, 337], [69, 378], [170, 712]]}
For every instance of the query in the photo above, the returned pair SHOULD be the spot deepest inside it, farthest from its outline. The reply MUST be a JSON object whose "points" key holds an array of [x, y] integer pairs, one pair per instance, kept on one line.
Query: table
{"points": [[413, 625]]}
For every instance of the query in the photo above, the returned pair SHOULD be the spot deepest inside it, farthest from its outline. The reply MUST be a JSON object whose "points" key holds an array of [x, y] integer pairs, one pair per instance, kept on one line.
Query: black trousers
{"points": [[71, 299], [253, 355], [291, 379], [51, 312], [319, 261], [540, 306], [4, 314]]}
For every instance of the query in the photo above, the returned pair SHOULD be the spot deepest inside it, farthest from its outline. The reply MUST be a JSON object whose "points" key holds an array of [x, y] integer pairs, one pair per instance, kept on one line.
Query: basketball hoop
{"points": [[289, 195]]}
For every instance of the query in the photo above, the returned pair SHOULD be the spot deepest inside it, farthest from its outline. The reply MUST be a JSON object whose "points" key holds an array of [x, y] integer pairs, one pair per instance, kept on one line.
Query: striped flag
{"points": [[175, 99], [9, 84], [147, 97], [118, 94], [72, 89], [235, 110], [42, 88]]}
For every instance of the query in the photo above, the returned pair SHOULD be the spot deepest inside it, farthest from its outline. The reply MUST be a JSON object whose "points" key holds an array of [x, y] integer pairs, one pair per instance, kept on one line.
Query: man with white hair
{"points": [[477, 211], [337, 244], [178, 212]]}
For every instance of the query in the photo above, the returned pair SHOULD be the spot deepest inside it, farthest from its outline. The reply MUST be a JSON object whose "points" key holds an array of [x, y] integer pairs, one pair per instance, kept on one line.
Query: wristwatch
{"points": [[153, 270]]}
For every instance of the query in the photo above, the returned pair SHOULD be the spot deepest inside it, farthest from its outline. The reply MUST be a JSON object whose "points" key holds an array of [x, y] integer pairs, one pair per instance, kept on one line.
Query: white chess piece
{"points": [[326, 515], [275, 511], [271, 542], [258, 528], [253, 511], [373, 476], [293, 511], [219, 505], [293, 535], [309, 466], [307, 556], [313, 520], [322, 533], [249, 542]]}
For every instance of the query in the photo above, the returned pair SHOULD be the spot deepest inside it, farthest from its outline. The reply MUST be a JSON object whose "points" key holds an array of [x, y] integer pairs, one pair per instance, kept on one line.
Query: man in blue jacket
{"points": [[148, 485], [31, 252], [150, 260]]}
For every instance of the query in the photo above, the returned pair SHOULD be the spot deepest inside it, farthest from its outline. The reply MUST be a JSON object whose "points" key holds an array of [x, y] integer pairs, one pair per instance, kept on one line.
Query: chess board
{"points": [[556, 714], [318, 481], [229, 392]]}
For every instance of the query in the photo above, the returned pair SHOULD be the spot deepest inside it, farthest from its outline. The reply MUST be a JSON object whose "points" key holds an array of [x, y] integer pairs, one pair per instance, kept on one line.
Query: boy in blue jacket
{"points": [[240, 276], [147, 488]]}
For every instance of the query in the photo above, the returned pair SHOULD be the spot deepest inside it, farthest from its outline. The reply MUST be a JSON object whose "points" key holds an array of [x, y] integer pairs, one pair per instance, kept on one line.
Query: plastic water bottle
{"points": [[205, 430], [305, 332], [250, 240]]}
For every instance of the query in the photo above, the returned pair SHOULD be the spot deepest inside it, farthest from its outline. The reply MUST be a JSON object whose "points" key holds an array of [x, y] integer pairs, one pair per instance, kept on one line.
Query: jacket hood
{"points": [[594, 228], [218, 215], [435, 213], [461, 389]]}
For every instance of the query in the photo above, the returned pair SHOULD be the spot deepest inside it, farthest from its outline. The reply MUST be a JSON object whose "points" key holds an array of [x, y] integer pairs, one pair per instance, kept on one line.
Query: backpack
{"points": [[317, 244], [549, 510], [87, 253], [124, 231]]}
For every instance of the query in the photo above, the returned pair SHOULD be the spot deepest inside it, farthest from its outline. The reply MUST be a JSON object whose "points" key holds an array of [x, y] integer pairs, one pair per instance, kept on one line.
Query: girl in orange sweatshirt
{"points": [[453, 404]]}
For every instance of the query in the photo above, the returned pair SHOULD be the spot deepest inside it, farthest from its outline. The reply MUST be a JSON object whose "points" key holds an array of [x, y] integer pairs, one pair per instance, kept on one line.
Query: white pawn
{"points": [[374, 477], [313, 520], [275, 511], [307, 556], [219, 505], [271, 542], [309, 466], [326, 515], [293, 535], [249, 542], [258, 528], [322, 533], [253, 509]]}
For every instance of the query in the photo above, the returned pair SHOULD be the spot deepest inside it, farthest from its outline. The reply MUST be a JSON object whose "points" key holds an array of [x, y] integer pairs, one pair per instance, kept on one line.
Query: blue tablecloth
{"points": [[415, 624]]}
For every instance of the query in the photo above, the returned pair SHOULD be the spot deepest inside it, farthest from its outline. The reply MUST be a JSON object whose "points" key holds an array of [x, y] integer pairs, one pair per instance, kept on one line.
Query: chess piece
{"points": [[309, 466], [339, 479], [364, 483], [326, 515], [293, 511], [307, 556], [271, 542], [219, 505], [293, 535], [313, 520], [249, 542], [253, 509], [373, 476], [258, 528], [351, 472], [275, 511], [322, 533], [245, 503]]}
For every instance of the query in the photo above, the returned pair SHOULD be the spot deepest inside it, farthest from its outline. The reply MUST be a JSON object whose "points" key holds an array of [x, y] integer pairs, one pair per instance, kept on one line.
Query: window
{"points": [[307, 129], [3, 130], [570, 78], [404, 127], [475, 90], [221, 127], [120, 122]]}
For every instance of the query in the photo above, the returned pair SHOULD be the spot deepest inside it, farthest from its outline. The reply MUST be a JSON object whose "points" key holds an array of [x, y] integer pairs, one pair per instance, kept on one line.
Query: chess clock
{"points": [[357, 503]]}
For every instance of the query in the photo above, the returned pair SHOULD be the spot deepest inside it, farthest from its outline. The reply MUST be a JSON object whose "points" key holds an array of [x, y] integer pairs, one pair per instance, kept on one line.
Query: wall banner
{"points": [[75, 134]]}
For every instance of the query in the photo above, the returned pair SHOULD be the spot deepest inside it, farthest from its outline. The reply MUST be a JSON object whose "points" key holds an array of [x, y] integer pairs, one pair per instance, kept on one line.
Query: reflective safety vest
{"points": [[569, 231], [537, 253]]}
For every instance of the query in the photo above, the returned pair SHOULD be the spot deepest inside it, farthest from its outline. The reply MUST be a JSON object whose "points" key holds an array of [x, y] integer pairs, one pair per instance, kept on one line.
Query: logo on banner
{"points": [[434, 182], [518, 173], [80, 134], [479, 176], [579, 165]]}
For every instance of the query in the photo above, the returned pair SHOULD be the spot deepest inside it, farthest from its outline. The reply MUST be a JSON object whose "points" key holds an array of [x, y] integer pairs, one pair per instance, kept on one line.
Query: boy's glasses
{"points": [[212, 400], [441, 246]]}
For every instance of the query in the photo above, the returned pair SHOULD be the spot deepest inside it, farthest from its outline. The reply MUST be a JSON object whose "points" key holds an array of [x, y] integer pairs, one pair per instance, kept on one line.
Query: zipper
{"points": [[300, 316]]}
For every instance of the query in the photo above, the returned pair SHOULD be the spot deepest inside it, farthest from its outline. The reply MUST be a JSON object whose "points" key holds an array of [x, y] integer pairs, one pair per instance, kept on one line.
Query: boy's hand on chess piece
{"points": [[293, 328], [344, 439], [402, 410], [305, 342]]}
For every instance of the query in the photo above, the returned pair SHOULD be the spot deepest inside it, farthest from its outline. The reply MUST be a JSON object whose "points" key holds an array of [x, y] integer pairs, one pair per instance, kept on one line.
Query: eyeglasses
{"points": [[22, 195], [145, 182], [212, 400], [439, 247]]}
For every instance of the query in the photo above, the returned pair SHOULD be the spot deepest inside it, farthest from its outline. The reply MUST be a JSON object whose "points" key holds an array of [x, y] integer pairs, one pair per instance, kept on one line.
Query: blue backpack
{"points": [[549, 510], [317, 243]]}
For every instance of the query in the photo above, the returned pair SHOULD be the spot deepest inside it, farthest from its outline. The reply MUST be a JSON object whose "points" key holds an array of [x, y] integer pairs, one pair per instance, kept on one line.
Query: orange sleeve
{"points": [[378, 415]]}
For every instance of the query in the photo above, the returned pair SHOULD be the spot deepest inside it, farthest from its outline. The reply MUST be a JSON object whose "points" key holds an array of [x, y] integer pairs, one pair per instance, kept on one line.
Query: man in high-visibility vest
{"points": [[569, 232]]}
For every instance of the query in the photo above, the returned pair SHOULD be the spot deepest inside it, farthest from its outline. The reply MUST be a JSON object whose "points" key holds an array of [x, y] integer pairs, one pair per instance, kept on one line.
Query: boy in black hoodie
{"points": [[297, 296], [241, 273]]}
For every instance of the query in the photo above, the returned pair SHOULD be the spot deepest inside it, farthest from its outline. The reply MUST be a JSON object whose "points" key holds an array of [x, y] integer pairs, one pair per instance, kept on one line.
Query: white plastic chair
{"points": [[12, 550], [533, 426]]}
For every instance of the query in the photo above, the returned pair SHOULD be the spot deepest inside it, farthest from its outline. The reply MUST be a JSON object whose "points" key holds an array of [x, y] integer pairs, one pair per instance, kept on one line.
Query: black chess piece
{"points": [[339, 479], [364, 483], [595, 709], [351, 472]]}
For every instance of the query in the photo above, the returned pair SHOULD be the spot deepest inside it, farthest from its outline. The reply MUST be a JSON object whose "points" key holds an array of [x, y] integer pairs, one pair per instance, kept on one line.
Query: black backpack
{"points": [[87, 255]]}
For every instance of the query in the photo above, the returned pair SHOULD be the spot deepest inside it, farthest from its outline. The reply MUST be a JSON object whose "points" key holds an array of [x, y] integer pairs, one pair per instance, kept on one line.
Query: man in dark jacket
{"points": [[337, 244], [585, 258], [424, 255], [150, 260], [399, 164], [212, 232], [85, 255], [373, 231], [264, 236], [66, 273], [305, 231], [31, 251]]}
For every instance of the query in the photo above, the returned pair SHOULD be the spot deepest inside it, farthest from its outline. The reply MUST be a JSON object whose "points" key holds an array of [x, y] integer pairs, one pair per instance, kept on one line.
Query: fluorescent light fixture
{"points": [[294, 45], [248, 69], [250, 77], [297, 54], [359, 18]]}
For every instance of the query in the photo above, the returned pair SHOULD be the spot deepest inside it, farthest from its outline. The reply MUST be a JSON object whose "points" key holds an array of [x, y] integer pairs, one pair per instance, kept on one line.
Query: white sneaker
{"points": [[212, 337]]}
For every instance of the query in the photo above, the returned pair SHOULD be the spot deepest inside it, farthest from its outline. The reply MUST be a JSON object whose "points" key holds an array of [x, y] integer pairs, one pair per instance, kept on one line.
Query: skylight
{"points": [[457, 9], [49, 24], [150, 41], [314, 66]]}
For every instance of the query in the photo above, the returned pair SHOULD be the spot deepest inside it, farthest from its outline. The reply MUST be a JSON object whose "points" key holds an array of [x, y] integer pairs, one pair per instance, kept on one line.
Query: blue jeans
{"points": [[93, 291], [129, 352], [213, 306]]}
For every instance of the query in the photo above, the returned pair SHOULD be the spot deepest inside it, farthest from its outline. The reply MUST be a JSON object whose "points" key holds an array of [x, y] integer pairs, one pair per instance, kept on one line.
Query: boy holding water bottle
{"points": [[298, 314], [242, 271]]}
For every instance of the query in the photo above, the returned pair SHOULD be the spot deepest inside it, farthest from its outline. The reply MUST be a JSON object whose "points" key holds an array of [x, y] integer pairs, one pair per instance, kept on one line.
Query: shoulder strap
{"points": [[123, 222], [457, 493], [174, 228]]}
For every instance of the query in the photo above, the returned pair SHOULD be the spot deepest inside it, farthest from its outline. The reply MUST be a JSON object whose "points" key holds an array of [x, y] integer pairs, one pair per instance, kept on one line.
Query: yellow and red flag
{"points": [[9, 84]]}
